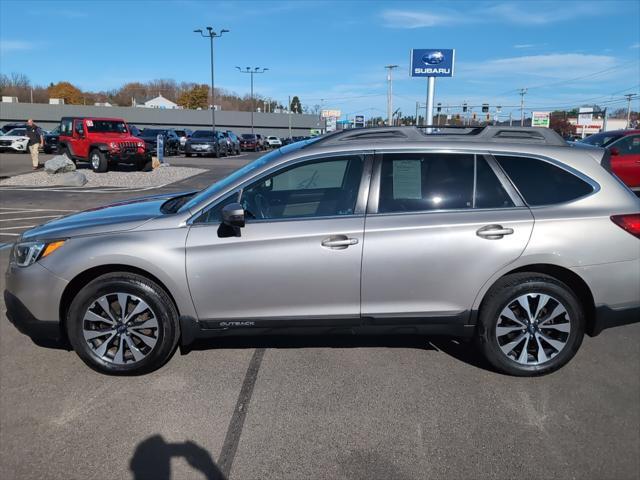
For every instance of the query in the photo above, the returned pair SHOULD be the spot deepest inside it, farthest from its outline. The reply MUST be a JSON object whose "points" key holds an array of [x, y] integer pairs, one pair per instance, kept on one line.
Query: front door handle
{"points": [[493, 232], [339, 242]]}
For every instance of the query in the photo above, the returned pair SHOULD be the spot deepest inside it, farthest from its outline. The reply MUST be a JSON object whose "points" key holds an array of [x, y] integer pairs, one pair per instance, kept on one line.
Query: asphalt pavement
{"points": [[309, 407]]}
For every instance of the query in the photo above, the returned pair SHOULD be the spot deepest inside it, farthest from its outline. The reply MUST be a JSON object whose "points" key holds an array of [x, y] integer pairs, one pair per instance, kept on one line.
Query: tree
{"points": [[194, 98], [70, 93], [296, 106], [560, 124]]}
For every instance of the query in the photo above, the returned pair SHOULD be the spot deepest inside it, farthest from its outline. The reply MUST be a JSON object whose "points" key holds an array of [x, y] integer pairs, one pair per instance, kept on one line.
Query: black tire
{"points": [[167, 333], [47, 150], [187, 154], [503, 294], [98, 161], [216, 152], [145, 165]]}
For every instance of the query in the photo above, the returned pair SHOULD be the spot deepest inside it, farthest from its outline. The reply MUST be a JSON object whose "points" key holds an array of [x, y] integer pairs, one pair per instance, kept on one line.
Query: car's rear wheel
{"points": [[187, 154], [123, 324], [98, 161], [530, 324]]}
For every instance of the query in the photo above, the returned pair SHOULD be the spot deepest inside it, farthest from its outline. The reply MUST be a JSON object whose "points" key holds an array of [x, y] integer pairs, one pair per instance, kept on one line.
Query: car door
{"points": [[438, 226], [79, 144], [298, 256], [625, 160]]}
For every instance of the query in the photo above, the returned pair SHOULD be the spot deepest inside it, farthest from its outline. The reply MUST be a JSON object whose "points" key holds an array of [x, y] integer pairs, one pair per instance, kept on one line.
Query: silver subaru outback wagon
{"points": [[506, 235]]}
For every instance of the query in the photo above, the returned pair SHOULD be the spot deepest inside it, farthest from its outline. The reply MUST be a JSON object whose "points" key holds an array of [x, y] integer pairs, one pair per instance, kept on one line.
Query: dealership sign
{"points": [[432, 62], [330, 113], [540, 119], [585, 116]]}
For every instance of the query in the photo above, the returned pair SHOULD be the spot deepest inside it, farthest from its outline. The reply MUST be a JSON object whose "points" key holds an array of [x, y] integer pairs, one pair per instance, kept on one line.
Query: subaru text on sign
{"points": [[432, 62]]}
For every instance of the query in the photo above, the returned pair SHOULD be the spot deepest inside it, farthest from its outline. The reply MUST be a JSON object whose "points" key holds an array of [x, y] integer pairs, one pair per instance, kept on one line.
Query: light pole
{"points": [[252, 71], [211, 35], [389, 93]]}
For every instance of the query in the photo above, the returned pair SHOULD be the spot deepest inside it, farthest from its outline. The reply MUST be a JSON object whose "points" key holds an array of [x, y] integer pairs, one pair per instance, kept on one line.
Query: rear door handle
{"points": [[339, 242], [493, 232]]}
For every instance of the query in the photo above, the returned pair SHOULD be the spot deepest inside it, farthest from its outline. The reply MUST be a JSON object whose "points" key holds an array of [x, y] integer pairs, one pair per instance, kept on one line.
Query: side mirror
{"points": [[614, 151], [233, 215]]}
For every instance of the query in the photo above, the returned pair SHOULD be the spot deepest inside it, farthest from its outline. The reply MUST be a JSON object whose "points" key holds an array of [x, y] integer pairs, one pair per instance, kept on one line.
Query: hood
{"points": [[117, 217], [13, 137]]}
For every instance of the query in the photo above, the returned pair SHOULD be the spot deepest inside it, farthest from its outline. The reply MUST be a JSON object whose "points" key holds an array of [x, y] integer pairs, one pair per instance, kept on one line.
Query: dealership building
{"points": [[278, 124]]}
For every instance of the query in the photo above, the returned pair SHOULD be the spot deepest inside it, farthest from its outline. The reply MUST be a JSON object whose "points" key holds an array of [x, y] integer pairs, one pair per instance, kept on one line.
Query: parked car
{"points": [[512, 248], [252, 142], [233, 142], [624, 149], [51, 140], [171, 141], [133, 130], [184, 136], [273, 142], [15, 139], [103, 142], [202, 142], [11, 126]]}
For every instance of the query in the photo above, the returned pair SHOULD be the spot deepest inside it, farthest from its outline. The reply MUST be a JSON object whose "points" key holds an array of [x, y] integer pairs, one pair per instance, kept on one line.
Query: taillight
{"points": [[630, 223]]}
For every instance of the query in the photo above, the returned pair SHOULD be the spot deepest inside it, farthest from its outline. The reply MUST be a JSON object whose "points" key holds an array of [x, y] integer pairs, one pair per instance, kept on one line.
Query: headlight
{"points": [[113, 145], [27, 253], [140, 144]]}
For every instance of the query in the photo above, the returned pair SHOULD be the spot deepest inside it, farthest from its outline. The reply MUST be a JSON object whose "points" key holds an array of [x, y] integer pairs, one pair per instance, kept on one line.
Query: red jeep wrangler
{"points": [[101, 142]]}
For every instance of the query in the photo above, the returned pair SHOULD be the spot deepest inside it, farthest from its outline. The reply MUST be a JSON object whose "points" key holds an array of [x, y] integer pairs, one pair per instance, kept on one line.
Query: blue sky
{"points": [[566, 53]]}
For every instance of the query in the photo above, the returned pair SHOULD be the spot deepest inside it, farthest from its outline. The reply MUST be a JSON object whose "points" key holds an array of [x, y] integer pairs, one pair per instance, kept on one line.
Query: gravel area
{"points": [[132, 179]]}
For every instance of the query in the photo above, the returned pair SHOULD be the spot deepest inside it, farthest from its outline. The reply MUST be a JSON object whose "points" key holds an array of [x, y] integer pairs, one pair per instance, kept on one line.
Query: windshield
{"points": [[106, 126], [16, 132], [202, 134], [148, 132], [601, 139], [257, 164]]}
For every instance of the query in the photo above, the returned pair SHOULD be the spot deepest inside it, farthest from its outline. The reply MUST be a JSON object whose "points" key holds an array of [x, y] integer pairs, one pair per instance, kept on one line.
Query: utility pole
{"points": [[523, 92], [289, 110], [252, 71], [211, 35], [629, 97], [390, 93], [417, 106]]}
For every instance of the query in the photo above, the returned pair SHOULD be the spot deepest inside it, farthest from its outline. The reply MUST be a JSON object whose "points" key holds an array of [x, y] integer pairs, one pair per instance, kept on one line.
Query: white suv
{"points": [[274, 142]]}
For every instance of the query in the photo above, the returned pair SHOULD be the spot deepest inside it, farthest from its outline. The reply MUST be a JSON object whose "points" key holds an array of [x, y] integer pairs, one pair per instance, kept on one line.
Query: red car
{"points": [[624, 147], [102, 142]]}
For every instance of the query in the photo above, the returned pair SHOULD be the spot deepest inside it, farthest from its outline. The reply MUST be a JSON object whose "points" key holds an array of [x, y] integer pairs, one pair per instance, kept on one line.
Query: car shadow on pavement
{"points": [[152, 459], [462, 350]]}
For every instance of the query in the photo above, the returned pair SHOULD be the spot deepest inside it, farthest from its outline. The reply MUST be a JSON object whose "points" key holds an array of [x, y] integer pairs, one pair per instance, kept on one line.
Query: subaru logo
{"points": [[433, 58]]}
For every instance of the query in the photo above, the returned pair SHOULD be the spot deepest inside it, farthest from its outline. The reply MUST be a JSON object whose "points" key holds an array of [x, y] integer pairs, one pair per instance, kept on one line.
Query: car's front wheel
{"points": [[98, 160], [530, 324], [123, 324]]}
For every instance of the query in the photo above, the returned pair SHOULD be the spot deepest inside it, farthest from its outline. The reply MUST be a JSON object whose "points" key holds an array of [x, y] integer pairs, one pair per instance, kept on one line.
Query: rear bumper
{"points": [[607, 317]]}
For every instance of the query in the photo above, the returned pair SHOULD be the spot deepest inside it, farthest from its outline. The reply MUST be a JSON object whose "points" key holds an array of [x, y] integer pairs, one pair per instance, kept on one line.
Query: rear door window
{"points": [[542, 183], [435, 181]]}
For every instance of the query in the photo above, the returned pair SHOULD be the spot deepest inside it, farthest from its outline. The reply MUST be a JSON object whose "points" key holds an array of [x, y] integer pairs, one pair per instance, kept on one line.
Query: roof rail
{"points": [[497, 134]]}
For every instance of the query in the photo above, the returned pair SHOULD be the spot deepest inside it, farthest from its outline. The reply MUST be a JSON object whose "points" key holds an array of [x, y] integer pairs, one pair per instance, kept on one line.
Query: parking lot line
{"points": [[33, 210], [27, 218], [13, 228]]}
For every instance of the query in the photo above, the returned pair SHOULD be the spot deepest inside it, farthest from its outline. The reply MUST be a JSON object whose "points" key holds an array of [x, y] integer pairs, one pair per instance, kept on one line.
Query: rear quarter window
{"points": [[542, 183]]}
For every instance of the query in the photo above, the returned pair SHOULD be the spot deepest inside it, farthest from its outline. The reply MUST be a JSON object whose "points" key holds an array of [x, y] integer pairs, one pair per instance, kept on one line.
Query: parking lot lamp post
{"points": [[252, 71], [390, 93], [211, 35], [523, 92]]}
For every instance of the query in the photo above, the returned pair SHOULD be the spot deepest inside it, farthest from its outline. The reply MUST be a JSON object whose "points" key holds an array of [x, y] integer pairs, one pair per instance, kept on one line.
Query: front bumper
{"points": [[32, 298], [46, 333], [203, 150], [126, 157]]}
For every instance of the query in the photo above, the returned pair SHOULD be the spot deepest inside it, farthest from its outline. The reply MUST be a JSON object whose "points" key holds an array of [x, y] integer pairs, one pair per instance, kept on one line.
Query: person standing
{"points": [[36, 140]]}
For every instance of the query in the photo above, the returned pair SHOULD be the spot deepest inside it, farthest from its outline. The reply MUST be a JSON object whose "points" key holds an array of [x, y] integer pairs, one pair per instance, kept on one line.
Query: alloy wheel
{"points": [[120, 328], [95, 161], [533, 328]]}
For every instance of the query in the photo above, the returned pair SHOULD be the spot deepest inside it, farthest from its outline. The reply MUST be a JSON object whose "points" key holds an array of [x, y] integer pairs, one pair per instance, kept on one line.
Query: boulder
{"points": [[71, 179], [59, 164]]}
